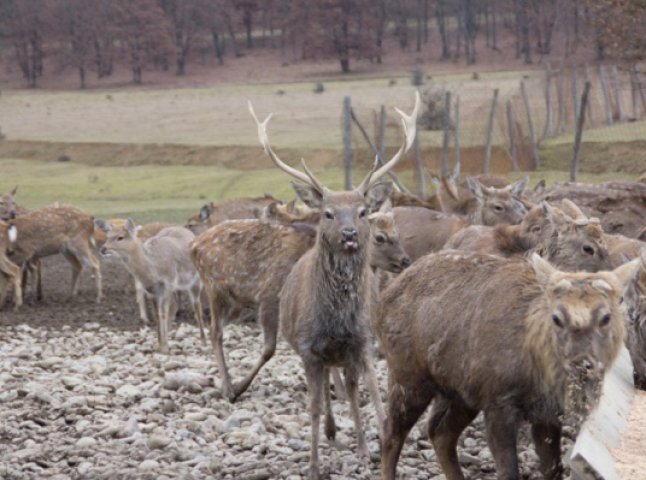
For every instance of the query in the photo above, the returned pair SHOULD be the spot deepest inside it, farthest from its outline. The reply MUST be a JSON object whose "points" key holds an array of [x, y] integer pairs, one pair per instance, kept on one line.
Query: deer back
{"points": [[235, 209], [249, 259]]}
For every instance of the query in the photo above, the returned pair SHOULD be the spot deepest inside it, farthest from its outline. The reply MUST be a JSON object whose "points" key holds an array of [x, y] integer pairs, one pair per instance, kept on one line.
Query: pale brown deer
{"points": [[8, 207], [326, 300], [9, 271], [162, 266], [234, 209], [144, 232], [516, 339], [572, 244], [635, 298], [55, 229]]}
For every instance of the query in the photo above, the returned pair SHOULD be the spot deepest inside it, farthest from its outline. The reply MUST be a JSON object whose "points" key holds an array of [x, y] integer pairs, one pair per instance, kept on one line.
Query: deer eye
{"points": [[498, 208], [605, 320], [557, 321], [119, 238], [380, 238], [362, 213], [536, 229], [329, 215]]}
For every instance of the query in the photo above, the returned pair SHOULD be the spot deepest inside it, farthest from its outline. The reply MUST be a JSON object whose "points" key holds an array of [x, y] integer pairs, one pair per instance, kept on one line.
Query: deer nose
{"points": [[406, 262], [103, 251], [349, 234], [12, 214]]}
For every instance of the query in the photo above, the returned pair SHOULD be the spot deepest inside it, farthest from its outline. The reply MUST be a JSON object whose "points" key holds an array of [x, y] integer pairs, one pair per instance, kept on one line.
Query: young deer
{"points": [[9, 271], [162, 266], [213, 214], [516, 339], [326, 301], [53, 229]]}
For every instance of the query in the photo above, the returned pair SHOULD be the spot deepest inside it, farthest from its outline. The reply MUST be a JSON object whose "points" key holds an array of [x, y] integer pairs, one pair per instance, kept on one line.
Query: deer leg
{"points": [[11, 270], [141, 302], [77, 266], [502, 430], [373, 388], [352, 388], [547, 441], [217, 334], [37, 271], [448, 420], [163, 312], [23, 278], [405, 406], [330, 425], [314, 374], [339, 387], [268, 316], [196, 304]]}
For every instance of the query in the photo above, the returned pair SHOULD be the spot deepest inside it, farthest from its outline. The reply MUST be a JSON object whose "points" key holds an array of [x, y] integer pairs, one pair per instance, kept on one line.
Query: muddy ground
{"points": [[84, 395]]}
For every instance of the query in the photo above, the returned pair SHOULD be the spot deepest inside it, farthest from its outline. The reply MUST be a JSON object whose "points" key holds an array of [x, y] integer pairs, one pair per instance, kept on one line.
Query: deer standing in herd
{"points": [[327, 298]]}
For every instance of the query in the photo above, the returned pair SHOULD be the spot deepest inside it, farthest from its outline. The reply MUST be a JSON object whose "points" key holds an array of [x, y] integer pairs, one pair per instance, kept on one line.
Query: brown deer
{"points": [[144, 232], [9, 271], [234, 209], [162, 266], [54, 229], [326, 300], [621, 248], [570, 244], [244, 263], [8, 207], [516, 339], [635, 298], [423, 231]]}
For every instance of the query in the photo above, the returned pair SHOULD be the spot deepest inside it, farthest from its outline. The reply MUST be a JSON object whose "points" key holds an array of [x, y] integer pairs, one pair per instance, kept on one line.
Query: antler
{"points": [[307, 177], [409, 122]]}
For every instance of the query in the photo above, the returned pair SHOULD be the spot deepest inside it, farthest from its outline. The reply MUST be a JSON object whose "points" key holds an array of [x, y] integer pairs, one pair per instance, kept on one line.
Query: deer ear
{"points": [[13, 192], [103, 225], [475, 187], [205, 212], [543, 269], [377, 195], [310, 196], [518, 188], [131, 227], [539, 189], [628, 272]]}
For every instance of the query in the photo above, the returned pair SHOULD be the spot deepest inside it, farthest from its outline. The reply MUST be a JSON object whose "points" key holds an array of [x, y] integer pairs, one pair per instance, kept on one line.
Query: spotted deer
{"points": [[54, 229], [233, 209], [327, 298], [162, 266], [514, 338]]}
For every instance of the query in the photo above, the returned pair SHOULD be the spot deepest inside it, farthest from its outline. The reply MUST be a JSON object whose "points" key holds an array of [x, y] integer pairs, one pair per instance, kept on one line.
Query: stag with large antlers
{"points": [[326, 301]]}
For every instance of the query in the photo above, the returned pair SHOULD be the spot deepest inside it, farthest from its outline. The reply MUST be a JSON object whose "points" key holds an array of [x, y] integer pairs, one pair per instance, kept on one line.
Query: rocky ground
{"points": [[84, 395]]}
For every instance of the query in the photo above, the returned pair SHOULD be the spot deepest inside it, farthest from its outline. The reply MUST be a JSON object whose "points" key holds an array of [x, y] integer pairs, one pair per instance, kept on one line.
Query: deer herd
{"points": [[485, 297]]}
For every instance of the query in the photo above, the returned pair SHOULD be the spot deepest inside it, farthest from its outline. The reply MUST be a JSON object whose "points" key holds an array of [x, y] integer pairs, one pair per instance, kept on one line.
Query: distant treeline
{"points": [[95, 36]]}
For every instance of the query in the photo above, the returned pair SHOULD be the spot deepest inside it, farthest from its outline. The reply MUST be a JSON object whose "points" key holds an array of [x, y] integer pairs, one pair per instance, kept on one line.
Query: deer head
{"points": [[120, 241], [8, 205], [499, 205], [344, 226]]}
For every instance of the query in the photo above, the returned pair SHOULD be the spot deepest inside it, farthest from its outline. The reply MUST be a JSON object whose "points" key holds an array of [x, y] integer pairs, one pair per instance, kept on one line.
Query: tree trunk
{"points": [[441, 26], [82, 75], [217, 46]]}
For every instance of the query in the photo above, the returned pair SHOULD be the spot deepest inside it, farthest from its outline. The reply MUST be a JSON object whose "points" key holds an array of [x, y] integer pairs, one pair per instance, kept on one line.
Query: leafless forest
{"points": [[97, 37]]}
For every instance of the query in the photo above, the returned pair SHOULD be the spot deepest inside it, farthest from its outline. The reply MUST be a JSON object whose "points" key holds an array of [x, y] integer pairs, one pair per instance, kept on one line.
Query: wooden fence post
{"points": [[549, 124], [347, 142], [561, 98], [457, 130], [579, 131], [575, 96], [617, 84], [382, 131], [586, 73], [530, 127], [512, 137], [445, 139], [634, 92], [492, 113], [419, 168], [606, 95]]}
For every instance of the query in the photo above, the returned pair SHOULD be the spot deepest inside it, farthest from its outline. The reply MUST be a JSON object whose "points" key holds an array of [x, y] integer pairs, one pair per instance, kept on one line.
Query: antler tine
{"points": [[365, 183], [264, 141], [313, 180], [409, 123]]}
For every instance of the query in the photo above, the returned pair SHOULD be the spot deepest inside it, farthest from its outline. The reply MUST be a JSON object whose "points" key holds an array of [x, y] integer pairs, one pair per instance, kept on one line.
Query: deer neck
{"points": [[140, 264]]}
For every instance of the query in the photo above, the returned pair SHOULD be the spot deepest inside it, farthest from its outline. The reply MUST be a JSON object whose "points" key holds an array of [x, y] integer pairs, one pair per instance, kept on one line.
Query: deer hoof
{"points": [[330, 430]]}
